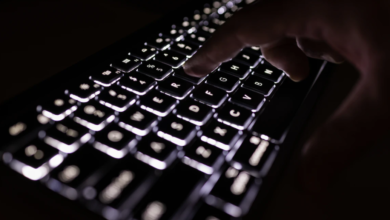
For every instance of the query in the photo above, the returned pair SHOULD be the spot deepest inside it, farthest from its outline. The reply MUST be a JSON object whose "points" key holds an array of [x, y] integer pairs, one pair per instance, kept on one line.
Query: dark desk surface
{"points": [[41, 38]]}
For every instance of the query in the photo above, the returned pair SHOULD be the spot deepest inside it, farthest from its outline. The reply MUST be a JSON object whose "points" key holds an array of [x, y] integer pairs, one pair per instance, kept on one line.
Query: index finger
{"points": [[255, 25]]}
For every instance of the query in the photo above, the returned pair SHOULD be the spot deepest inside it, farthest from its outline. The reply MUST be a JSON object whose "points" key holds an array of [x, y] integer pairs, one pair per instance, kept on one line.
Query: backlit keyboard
{"points": [[140, 139]]}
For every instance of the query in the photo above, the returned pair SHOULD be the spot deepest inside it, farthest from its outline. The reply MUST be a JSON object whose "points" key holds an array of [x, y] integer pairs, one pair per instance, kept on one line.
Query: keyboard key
{"points": [[106, 77], [137, 83], [206, 30], [58, 108], [160, 43], [197, 38], [175, 87], [183, 75], [220, 135], [209, 95], [76, 168], [252, 155], [174, 34], [176, 130], [194, 112], [169, 193], [143, 52], [157, 103], [235, 116], [207, 212], [269, 72], [85, 91], [137, 120], [94, 115], [223, 81], [117, 186], [233, 187], [155, 69], [17, 131], [254, 50], [205, 154], [67, 136], [185, 47], [236, 69], [171, 58], [114, 141], [248, 99], [35, 154], [126, 64], [117, 98], [247, 58], [155, 151], [35, 160], [259, 85]]}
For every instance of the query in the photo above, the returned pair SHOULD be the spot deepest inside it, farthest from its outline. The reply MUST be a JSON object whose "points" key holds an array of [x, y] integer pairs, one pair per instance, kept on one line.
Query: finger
{"points": [[360, 120], [285, 55], [256, 25], [319, 50]]}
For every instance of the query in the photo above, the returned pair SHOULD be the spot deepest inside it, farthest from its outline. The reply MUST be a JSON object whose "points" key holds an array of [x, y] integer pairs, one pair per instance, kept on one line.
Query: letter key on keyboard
{"points": [[175, 87], [209, 95]]}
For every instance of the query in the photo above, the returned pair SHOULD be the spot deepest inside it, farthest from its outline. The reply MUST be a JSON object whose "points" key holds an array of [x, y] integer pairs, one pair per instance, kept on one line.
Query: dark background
{"points": [[40, 38]]}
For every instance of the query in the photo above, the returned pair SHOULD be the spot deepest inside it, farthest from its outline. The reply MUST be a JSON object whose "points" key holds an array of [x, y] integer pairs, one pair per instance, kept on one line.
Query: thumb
{"points": [[361, 119]]}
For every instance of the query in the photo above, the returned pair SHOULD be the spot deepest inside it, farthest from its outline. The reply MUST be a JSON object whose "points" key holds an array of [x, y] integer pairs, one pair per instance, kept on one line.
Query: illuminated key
{"points": [[36, 159], [67, 136], [269, 72], [117, 98], [252, 154], [259, 85], [209, 95], [117, 186], [137, 120], [220, 135], [204, 157], [233, 187], [58, 108], [155, 69], [94, 115], [84, 91], [155, 151], [171, 58], [126, 64], [76, 169], [176, 130], [114, 141], [143, 52], [106, 77]]}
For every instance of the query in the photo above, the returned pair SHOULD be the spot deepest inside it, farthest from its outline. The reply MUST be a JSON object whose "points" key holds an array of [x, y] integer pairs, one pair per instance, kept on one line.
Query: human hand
{"points": [[289, 31]]}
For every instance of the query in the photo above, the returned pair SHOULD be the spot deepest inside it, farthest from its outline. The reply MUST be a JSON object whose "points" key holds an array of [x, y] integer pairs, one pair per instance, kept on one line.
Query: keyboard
{"points": [[132, 136]]}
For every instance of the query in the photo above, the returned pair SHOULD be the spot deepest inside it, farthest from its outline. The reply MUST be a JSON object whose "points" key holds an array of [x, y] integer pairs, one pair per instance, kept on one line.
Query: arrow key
{"points": [[248, 99]]}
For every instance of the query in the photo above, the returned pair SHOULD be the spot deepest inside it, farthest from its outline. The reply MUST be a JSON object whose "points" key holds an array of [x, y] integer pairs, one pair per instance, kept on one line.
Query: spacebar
{"points": [[279, 113]]}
